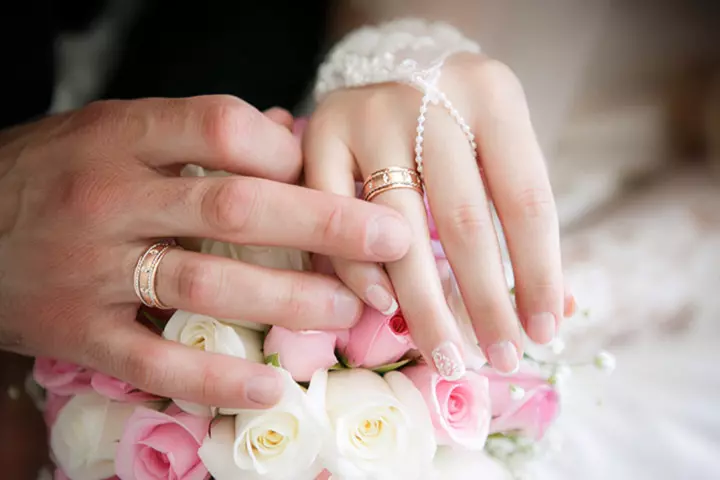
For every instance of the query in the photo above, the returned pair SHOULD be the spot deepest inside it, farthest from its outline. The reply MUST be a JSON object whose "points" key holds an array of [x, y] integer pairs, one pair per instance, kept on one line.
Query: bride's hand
{"points": [[355, 132]]}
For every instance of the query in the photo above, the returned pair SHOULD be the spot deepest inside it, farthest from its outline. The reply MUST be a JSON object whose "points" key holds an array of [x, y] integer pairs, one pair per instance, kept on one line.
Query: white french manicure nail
{"points": [[503, 357], [448, 361], [381, 300]]}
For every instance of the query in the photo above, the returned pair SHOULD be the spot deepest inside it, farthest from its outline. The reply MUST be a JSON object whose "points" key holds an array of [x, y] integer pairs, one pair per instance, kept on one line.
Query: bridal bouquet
{"points": [[358, 404]]}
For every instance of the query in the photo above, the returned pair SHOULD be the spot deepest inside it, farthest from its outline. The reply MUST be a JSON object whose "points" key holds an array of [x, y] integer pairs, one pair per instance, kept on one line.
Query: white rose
{"points": [[459, 463], [208, 334], [86, 433], [381, 426], [280, 443]]}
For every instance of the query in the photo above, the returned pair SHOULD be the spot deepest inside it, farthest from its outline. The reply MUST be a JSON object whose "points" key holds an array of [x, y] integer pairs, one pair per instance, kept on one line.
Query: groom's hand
{"points": [[82, 196]]}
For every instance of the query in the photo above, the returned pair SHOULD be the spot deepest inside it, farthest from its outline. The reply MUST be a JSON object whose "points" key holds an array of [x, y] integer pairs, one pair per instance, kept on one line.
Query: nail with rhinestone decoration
{"points": [[448, 361]]}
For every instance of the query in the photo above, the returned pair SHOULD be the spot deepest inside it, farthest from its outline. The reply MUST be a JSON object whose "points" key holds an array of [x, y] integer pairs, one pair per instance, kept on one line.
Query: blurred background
{"points": [[625, 97]]}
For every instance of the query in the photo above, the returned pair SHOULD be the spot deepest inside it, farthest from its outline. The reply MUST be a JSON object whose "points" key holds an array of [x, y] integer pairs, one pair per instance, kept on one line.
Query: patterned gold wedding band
{"points": [[145, 277], [389, 179]]}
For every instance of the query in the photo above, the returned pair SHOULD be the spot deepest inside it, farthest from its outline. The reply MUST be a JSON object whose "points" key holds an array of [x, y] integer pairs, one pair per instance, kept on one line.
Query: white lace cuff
{"points": [[409, 51]]}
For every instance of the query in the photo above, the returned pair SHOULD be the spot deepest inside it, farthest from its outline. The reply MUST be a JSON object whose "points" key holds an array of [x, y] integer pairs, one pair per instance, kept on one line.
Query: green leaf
{"points": [[383, 369], [157, 323], [343, 360], [512, 291], [337, 366], [273, 359]]}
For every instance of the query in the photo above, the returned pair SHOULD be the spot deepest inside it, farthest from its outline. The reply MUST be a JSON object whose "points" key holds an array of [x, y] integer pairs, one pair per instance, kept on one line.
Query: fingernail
{"points": [[448, 361], [381, 300], [541, 327], [347, 306], [385, 238], [570, 305], [265, 390], [503, 357]]}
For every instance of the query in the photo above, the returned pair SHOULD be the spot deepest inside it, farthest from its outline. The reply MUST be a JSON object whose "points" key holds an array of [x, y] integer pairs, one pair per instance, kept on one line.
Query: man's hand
{"points": [[83, 194]]}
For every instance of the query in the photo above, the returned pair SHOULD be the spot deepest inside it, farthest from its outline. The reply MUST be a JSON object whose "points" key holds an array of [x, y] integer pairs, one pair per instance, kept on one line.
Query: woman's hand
{"points": [[355, 132], [83, 194]]}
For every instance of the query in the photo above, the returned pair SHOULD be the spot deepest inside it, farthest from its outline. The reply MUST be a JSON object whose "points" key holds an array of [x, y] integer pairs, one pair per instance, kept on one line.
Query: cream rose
{"points": [[211, 335], [85, 436], [381, 426], [281, 443]]}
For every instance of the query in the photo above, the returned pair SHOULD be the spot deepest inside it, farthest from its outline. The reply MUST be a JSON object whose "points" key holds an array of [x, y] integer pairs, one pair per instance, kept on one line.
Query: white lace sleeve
{"points": [[409, 51]]}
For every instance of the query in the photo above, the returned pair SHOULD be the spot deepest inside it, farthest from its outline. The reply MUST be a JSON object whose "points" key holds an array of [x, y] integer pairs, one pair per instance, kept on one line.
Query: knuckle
{"points": [[381, 104], [502, 90], [99, 117], [497, 76], [468, 221], [226, 120], [294, 299], [197, 282], [210, 385], [232, 205], [331, 226], [534, 204]]}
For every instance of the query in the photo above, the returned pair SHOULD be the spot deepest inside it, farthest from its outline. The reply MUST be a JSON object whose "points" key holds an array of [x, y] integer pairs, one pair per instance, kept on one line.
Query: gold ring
{"points": [[145, 277], [389, 179]]}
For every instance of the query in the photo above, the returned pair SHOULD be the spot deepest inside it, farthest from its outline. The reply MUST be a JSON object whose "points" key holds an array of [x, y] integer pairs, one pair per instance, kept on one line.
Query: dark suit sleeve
{"points": [[28, 31], [265, 52], [27, 34]]}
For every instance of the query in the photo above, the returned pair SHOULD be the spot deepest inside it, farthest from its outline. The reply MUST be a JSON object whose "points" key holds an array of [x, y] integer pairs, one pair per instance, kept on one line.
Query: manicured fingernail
{"points": [[347, 306], [265, 390], [381, 300], [541, 328], [570, 305], [448, 361], [385, 237], [503, 357]]}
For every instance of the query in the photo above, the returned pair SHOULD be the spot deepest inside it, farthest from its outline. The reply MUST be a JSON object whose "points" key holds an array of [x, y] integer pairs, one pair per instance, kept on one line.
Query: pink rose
{"points": [[62, 378], [533, 413], [53, 404], [459, 409], [377, 339], [156, 446], [301, 353], [115, 389]]}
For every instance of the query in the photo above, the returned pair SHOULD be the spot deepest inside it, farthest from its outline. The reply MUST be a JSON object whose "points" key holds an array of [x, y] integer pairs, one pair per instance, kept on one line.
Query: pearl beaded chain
{"points": [[419, 139]]}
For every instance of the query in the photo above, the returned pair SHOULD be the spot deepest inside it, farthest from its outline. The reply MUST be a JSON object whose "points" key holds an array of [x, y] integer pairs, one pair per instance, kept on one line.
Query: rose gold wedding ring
{"points": [[145, 277], [389, 179]]}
